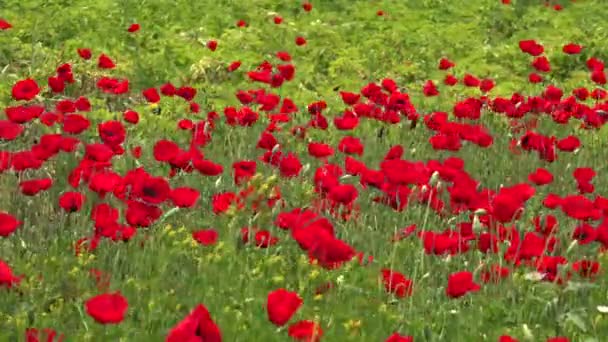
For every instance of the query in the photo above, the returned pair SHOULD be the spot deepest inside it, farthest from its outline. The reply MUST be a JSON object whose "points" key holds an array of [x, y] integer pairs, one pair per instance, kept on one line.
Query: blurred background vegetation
{"points": [[348, 43]]}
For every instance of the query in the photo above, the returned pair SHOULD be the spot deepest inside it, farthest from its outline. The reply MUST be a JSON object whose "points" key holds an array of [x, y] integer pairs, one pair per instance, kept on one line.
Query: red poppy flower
{"points": [[494, 274], [532, 246], [153, 190], [395, 337], [112, 133], [349, 98], [598, 76], [307, 6], [122, 87], [471, 81], [461, 283], [85, 53], [447, 242], [348, 121], [320, 150], [71, 201], [506, 207], [263, 239], [572, 49], [234, 66], [568, 144], [133, 28], [7, 278], [105, 62], [65, 106], [207, 167], [397, 283], [552, 201], [559, 338], [583, 176], [75, 124], [290, 165], [89, 244], [221, 202], [151, 95], [98, 152], [197, 326], [8, 224], [5, 25], [165, 150], [580, 208], [131, 116], [187, 93], [584, 234], [445, 64], [259, 76], [305, 331], [281, 305], [184, 197], [287, 71], [540, 177], [404, 233], [103, 212], [541, 64], [56, 84], [185, 124], [300, 41], [108, 308], [34, 186], [535, 78], [486, 85], [212, 45], [597, 94], [140, 214], [594, 63], [429, 89], [586, 268], [330, 252], [46, 334], [487, 243], [10, 130], [205, 237], [25, 160], [553, 93], [450, 80], [136, 152], [548, 226], [243, 170], [25, 90], [531, 47], [267, 141], [350, 145], [344, 194], [277, 80], [284, 56]]}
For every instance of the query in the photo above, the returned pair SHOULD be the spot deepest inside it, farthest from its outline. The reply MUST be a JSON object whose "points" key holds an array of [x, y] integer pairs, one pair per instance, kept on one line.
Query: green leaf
{"points": [[577, 320]]}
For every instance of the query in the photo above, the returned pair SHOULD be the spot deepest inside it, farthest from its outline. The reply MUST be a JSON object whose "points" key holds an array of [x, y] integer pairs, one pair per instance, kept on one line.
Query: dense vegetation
{"points": [[335, 170]]}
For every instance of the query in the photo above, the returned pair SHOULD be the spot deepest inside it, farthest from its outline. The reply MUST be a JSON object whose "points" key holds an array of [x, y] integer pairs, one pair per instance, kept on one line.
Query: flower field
{"points": [[414, 170]]}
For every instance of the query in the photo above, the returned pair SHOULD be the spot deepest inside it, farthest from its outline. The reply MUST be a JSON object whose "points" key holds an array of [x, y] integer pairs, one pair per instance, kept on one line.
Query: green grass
{"points": [[163, 272]]}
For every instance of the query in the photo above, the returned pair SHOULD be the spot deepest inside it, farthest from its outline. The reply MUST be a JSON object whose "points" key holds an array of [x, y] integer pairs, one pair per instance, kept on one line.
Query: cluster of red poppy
{"points": [[127, 203]]}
